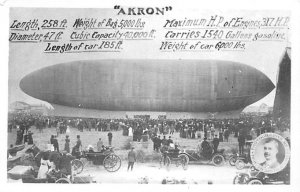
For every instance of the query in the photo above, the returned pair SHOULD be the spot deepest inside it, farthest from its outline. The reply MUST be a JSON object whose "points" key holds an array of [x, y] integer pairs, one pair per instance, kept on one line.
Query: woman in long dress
{"points": [[68, 130], [130, 134], [67, 144], [45, 163]]}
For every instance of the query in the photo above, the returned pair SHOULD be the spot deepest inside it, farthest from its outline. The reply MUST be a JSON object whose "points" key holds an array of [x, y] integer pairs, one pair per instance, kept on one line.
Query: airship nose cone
{"points": [[27, 84], [36, 84], [270, 86], [265, 85], [24, 84]]}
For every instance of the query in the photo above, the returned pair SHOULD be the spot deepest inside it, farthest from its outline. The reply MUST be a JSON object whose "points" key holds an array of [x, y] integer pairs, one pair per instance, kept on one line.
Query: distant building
{"points": [[18, 106], [22, 107], [263, 109], [39, 109]]}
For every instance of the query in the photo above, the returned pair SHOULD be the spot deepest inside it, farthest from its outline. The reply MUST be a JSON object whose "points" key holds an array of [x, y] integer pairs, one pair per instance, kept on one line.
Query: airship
{"points": [[149, 85]]}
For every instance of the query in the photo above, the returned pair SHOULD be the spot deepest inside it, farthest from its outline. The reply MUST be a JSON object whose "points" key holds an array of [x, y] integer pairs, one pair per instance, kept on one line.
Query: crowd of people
{"points": [[247, 127], [209, 131]]}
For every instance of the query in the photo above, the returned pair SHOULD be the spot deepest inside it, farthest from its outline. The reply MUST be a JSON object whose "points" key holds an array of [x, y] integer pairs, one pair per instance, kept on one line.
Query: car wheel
{"points": [[63, 181], [184, 160], [232, 160], [112, 163], [236, 180], [240, 179], [255, 182], [218, 160], [77, 166], [239, 164]]}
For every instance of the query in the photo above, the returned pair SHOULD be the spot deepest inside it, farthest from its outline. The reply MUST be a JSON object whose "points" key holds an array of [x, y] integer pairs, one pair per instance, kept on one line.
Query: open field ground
{"points": [[147, 167], [119, 142]]}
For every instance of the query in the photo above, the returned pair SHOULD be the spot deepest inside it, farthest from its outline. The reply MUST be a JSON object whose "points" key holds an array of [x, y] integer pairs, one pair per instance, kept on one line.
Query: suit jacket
{"points": [[273, 165], [131, 156]]}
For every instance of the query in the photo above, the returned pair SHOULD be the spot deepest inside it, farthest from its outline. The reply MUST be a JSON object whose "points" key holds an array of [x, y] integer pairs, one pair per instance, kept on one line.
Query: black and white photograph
{"points": [[149, 95]]}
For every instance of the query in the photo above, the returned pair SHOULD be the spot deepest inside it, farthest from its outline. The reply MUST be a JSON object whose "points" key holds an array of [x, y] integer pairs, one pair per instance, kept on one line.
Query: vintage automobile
{"points": [[255, 177], [106, 157], [244, 159], [217, 158], [232, 159], [171, 155], [241, 157]]}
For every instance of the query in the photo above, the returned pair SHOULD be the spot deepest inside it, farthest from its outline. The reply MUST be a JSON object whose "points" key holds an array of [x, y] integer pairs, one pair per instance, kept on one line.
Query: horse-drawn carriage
{"points": [[29, 175], [13, 151], [106, 157], [25, 165], [31, 159]]}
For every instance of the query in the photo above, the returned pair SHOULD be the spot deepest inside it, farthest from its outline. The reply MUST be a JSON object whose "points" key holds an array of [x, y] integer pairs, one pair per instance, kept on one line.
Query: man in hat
{"points": [[158, 143], [170, 141], [30, 139], [131, 158], [77, 148], [164, 141], [206, 148], [242, 142], [109, 135], [19, 136], [154, 139], [226, 135], [216, 143], [55, 144]]}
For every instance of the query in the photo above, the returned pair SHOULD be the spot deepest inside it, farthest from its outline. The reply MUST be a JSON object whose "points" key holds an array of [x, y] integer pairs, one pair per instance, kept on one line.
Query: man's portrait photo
{"points": [[270, 154]]}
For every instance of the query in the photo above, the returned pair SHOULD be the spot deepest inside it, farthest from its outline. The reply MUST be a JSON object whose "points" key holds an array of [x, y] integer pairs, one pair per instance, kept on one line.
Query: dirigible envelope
{"points": [[149, 85]]}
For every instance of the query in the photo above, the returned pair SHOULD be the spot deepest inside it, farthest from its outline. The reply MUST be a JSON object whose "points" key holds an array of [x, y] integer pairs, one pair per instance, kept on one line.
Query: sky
{"points": [[25, 58]]}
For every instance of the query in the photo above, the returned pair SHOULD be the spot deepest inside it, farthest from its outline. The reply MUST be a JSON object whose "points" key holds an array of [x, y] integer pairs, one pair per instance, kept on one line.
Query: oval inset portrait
{"points": [[270, 153]]}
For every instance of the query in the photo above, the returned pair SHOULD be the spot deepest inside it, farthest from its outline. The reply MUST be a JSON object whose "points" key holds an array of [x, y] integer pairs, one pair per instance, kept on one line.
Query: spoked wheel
{"points": [[236, 180], [240, 180], [112, 163], [240, 164], [63, 181], [255, 182], [218, 160], [184, 160], [164, 162], [232, 160], [77, 166]]}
